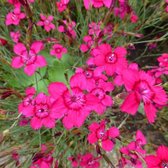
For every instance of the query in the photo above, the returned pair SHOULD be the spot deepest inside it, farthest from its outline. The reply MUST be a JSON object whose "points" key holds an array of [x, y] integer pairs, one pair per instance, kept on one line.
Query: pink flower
{"points": [[29, 59], [122, 10], [16, 3], [141, 87], [72, 105], [163, 60], [14, 17], [15, 36], [133, 17], [58, 50], [62, 5], [39, 111], [110, 61], [75, 161], [98, 132], [166, 9], [95, 28], [43, 159], [27, 105], [160, 160], [88, 43], [68, 28], [131, 152], [46, 22], [97, 3], [90, 76], [99, 90], [89, 161]]}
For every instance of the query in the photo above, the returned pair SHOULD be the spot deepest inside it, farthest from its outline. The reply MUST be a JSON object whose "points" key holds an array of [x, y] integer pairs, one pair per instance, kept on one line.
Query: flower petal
{"points": [[17, 62], [107, 145]]}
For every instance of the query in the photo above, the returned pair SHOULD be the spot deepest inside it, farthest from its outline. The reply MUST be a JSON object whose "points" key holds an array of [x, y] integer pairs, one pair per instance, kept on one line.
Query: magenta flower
{"points": [[72, 105], [131, 152], [46, 22], [62, 5], [97, 3], [163, 60], [44, 159], [58, 50], [89, 161], [27, 105], [95, 28], [160, 160], [16, 3], [14, 17], [98, 132], [75, 161], [15, 36], [90, 76], [133, 17], [141, 87], [99, 90], [110, 61], [68, 28], [39, 111], [88, 44], [29, 59], [122, 10]]}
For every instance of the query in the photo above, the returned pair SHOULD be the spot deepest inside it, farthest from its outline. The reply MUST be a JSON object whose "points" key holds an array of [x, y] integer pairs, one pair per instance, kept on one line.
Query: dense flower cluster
{"points": [[107, 79]]}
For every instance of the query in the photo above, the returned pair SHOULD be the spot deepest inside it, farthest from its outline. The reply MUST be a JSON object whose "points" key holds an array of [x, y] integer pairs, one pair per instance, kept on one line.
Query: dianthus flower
{"points": [[14, 17], [88, 43], [29, 59], [90, 75], [100, 90], [160, 160], [38, 109], [141, 87], [68, 28], [111, 61], [131, 152], [16, 3], [58, 50], [72, 105], [15, 36], [97, 4], [46, 22], [43, 159], [28, 103], [98, 132], [89, 161], [163, 60], [62, 5]]}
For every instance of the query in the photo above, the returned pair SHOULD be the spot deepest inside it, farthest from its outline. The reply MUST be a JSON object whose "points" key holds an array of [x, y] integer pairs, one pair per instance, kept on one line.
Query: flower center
{"points": [[29, 58], [111, 58], [164, 164], [42, 110], [144, 90], [91, 162], [88, 74], [75, 100], [101, 134], [99, 93], [58, 50], [46, 22], [14, 17]]}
